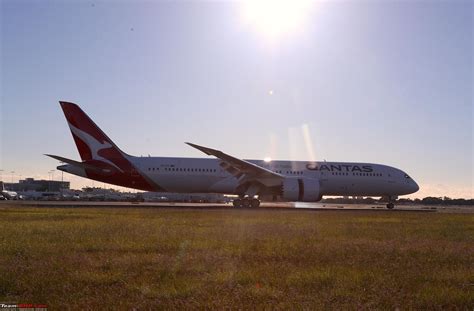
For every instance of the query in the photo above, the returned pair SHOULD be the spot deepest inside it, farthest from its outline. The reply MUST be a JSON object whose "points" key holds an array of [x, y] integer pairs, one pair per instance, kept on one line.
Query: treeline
{"points": [[439, 201], [427, 200]]}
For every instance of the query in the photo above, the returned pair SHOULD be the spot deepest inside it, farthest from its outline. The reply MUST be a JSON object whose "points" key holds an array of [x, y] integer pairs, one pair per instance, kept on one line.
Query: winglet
{"points": [[206, 150]]}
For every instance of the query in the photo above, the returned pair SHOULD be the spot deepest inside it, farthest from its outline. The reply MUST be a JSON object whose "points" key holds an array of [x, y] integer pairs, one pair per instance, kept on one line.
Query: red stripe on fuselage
{"points": [[130, 179]]}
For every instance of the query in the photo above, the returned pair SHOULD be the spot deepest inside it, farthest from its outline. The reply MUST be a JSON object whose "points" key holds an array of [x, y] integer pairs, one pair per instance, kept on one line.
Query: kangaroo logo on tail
{"points": [[91, 142], [94, 145], [102, 160]]}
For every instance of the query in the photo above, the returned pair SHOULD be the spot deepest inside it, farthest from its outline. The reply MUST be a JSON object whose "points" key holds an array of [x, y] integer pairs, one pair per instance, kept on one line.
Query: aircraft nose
{"points": [[415, 186]]}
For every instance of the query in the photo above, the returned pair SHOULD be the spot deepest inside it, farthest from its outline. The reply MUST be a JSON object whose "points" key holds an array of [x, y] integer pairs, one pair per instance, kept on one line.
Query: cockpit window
{"points": [[407, 177]]}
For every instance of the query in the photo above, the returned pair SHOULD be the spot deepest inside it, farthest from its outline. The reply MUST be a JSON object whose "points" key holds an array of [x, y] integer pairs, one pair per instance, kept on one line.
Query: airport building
{"points": [[30, 184]]}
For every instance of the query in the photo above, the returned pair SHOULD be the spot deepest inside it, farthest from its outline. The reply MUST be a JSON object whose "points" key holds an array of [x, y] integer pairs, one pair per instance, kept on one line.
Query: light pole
{"points": [[50, 173]]}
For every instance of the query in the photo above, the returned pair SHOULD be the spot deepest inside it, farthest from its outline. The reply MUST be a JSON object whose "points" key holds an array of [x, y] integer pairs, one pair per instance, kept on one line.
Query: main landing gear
{"points": [[246, 202], [390, 204]]}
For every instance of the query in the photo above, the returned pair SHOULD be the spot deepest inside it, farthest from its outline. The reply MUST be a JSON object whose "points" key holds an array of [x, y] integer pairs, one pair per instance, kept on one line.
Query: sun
{"points": [[275, 18]]}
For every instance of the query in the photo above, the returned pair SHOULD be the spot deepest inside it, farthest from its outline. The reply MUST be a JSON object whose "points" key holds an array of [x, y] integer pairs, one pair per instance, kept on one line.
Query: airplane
{"points": [[9, 195], [250, 180]]}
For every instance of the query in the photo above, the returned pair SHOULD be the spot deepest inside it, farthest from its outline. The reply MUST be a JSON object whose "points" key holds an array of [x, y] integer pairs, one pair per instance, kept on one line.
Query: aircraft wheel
{"points": [[255, 203], [246, 203], [390, 205], [237, 203]]}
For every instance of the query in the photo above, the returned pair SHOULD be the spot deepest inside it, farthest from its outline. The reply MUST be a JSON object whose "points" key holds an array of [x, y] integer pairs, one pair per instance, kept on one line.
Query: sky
{"points": [[386, 82]]}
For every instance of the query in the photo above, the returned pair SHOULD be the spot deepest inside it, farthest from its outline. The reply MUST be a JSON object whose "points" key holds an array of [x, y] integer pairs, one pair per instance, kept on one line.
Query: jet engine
{"points": [[301, 189]]}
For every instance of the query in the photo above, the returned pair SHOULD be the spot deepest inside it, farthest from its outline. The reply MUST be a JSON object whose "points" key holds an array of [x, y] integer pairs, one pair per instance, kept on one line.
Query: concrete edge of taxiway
{"points": [[219, 206]]}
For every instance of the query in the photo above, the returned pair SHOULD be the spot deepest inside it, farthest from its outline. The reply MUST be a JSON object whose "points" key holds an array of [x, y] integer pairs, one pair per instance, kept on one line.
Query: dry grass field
{"points": [[123, 258]]}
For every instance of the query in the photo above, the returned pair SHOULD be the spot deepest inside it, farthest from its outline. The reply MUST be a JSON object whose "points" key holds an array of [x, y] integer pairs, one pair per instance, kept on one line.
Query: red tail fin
{"points": [[101, 158], [92, 143]]}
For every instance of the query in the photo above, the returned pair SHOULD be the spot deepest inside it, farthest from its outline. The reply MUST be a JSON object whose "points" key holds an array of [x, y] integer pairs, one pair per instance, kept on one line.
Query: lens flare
{"points": [[308, 142], [276, 17]]}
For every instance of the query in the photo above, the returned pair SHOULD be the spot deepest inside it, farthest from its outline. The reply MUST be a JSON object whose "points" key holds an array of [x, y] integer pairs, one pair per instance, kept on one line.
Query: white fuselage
{"points": [[200, 175]]}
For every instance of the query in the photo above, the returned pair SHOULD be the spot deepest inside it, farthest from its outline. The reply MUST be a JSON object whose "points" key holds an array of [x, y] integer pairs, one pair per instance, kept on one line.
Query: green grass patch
{"points": [[102, 258]]}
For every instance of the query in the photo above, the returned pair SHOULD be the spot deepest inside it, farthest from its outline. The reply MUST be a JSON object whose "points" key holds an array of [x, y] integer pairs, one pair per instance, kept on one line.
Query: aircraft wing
{"points": [[238, 167]]}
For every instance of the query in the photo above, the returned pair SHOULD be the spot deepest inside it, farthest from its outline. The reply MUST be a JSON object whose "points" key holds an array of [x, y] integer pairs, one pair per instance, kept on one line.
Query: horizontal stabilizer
{"points": [[76, 163]]}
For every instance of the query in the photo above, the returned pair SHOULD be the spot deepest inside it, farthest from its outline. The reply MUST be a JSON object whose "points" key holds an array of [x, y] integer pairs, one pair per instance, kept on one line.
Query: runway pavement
{"points": [[286, 206]]}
